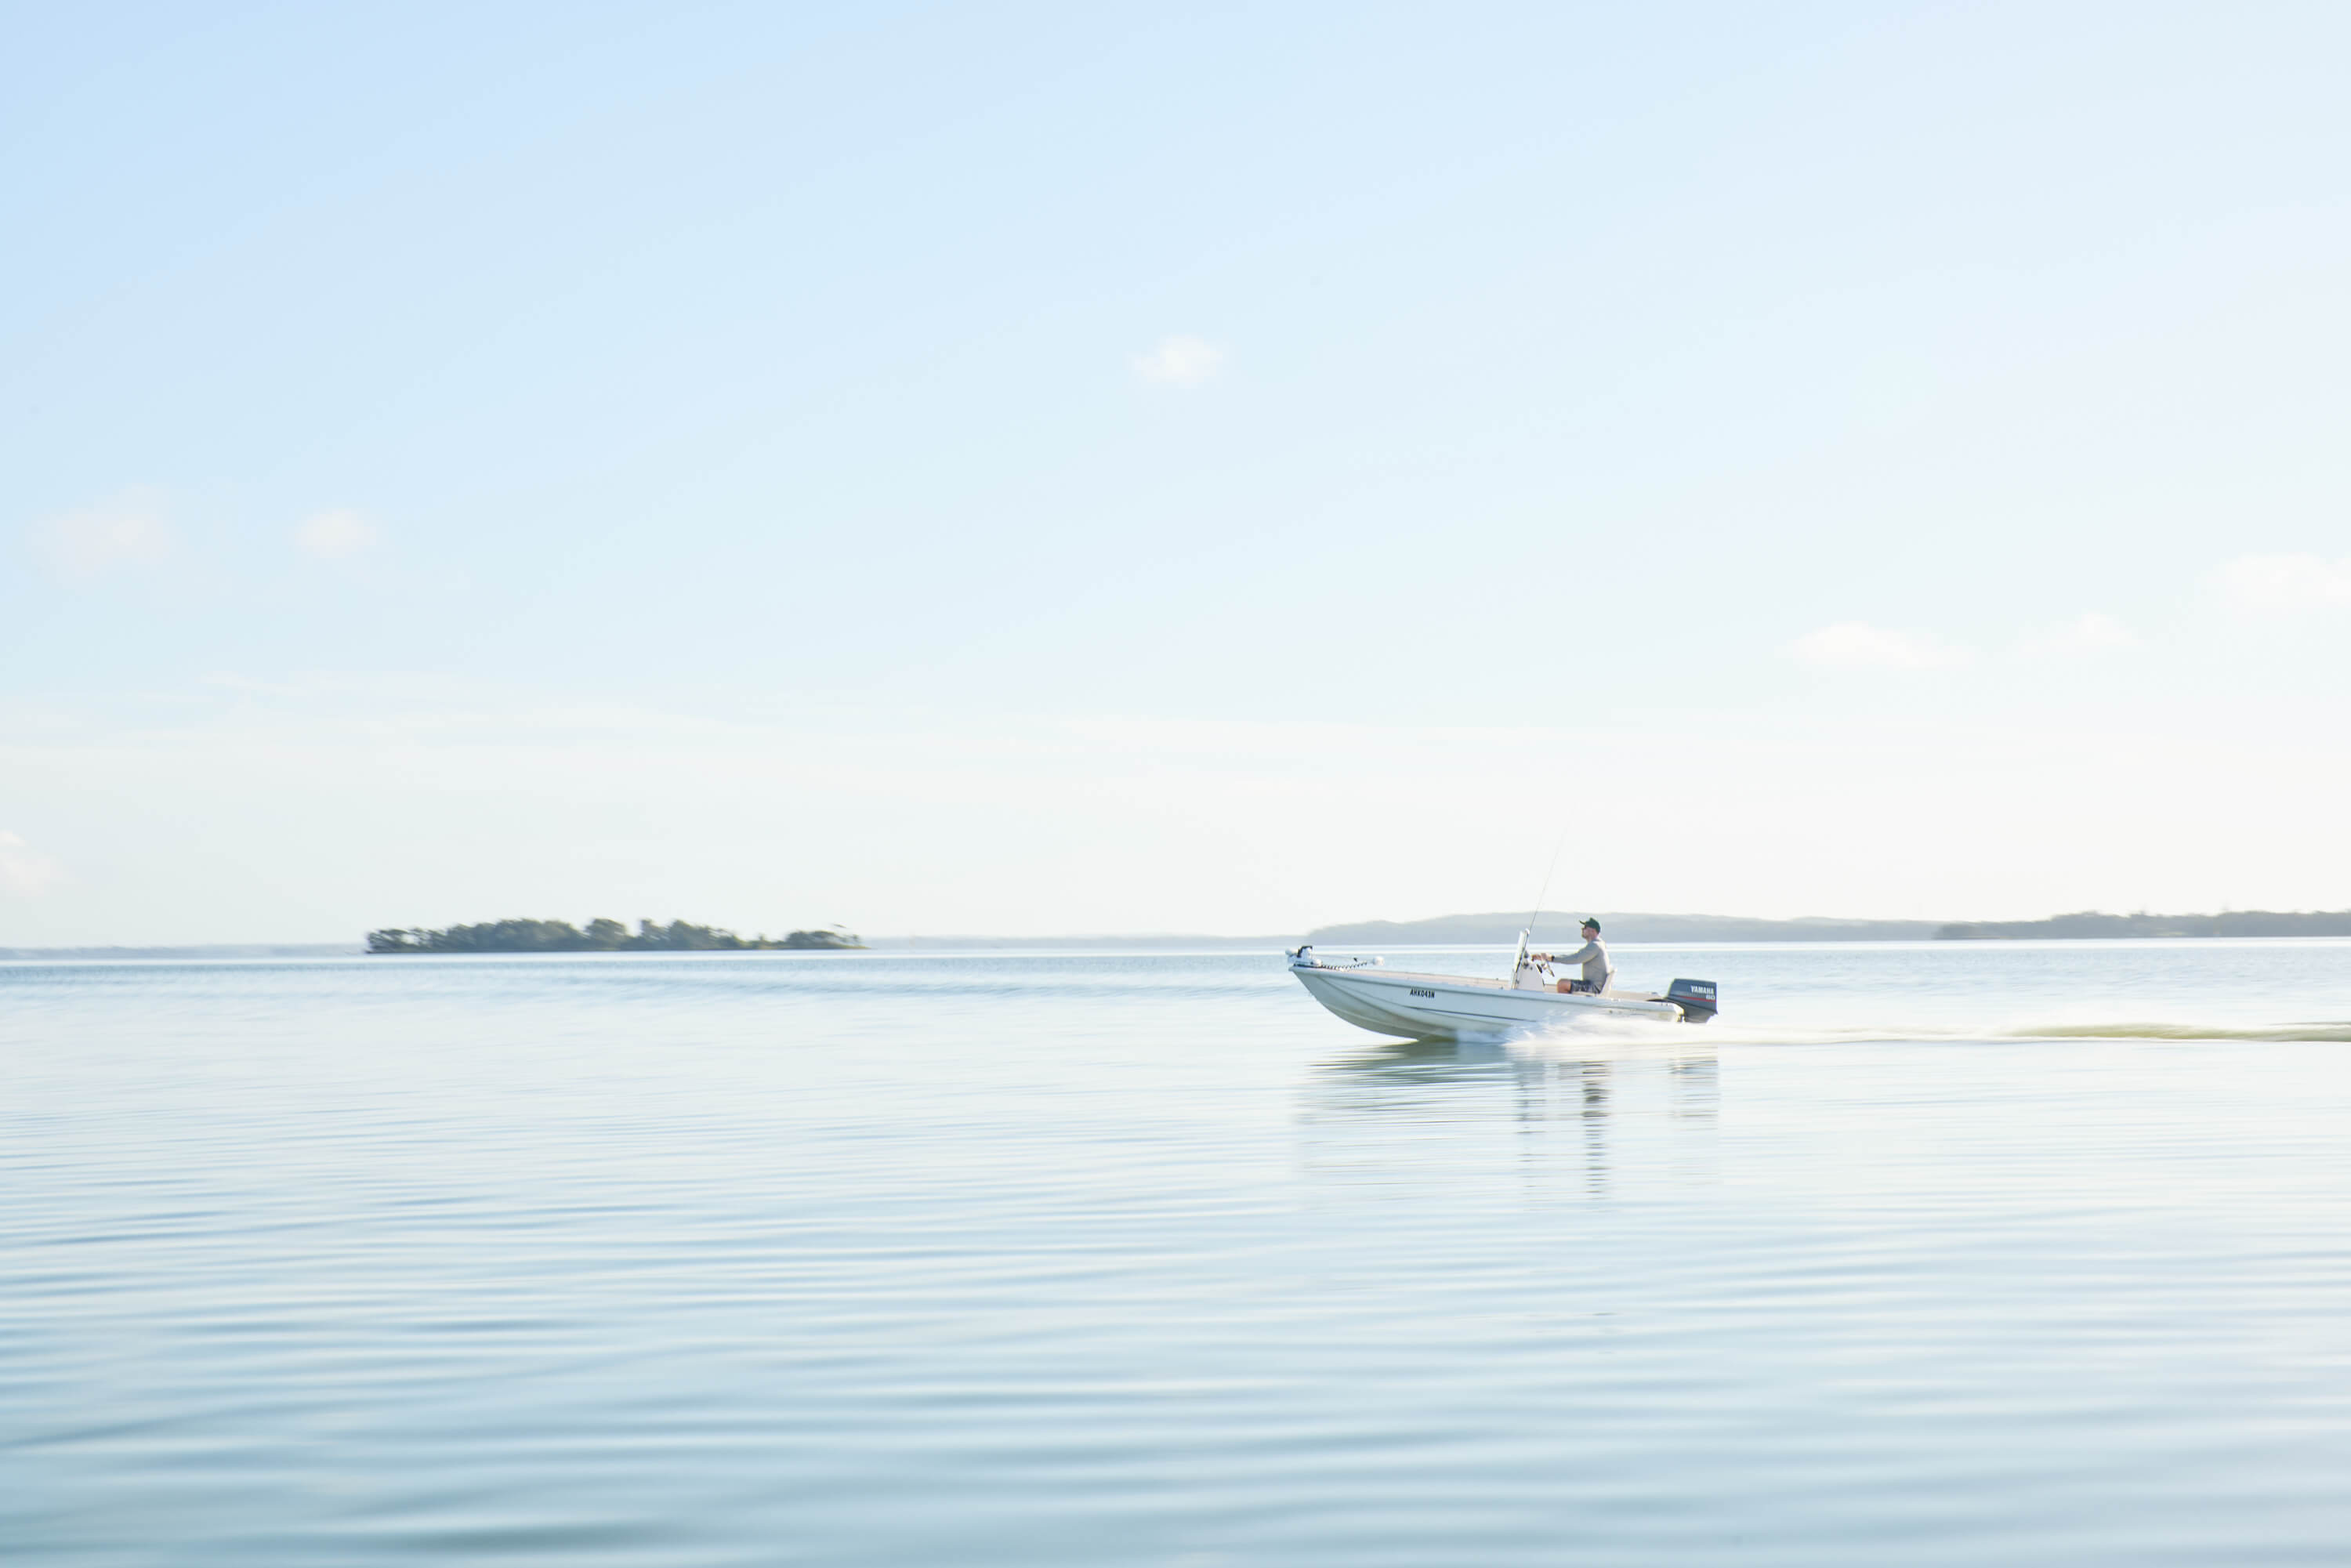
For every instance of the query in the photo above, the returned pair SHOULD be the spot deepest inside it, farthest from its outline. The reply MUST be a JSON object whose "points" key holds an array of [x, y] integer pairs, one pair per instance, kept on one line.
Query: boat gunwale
{"points": [[1471, 982]]}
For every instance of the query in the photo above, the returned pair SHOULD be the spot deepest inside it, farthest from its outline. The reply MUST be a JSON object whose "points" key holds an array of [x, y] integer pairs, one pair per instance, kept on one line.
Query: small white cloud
{"points": [[2088, 633], [1180, 362], [1857, 645], [129, 530], [331, 536], [22, 872], [2261, 584]]}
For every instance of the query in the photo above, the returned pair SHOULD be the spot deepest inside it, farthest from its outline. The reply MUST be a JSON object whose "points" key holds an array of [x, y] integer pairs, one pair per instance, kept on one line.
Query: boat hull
{"points": [[1447, 1007]]}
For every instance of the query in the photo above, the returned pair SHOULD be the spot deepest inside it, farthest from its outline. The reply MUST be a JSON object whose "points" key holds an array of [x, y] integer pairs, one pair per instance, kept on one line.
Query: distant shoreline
{"points": [[2087, 926], [1452, 930], [192, 950]]}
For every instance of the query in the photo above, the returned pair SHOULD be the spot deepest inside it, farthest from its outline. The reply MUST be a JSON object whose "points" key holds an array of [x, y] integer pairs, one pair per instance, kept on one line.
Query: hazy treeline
{"points": [[2091, 923], [202, 950], [1559, 926], [1503, 927], [600, 937]]}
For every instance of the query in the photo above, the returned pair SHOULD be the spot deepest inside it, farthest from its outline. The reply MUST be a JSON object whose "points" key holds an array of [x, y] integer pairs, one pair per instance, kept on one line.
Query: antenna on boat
{"points": [[1536, 912]]}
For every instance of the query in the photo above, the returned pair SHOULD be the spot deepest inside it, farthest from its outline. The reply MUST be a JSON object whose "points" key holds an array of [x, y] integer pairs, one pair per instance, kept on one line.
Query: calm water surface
{"points": [[1956, 1253]]}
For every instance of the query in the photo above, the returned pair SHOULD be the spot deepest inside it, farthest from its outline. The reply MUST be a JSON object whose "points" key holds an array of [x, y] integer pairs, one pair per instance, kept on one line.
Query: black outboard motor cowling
{"points": [[1694, 997]]}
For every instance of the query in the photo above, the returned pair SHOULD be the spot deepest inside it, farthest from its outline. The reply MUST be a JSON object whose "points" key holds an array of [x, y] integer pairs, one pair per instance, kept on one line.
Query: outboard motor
{"points": [[1694, 997]]}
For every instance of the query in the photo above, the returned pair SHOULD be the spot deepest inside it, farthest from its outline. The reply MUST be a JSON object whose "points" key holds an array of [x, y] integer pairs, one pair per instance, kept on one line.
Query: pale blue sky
{"points": [[1031, 468]]}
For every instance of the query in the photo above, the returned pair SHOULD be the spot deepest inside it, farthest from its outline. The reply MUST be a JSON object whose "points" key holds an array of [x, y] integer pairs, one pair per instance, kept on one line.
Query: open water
{"points": [[1946, 1253]]}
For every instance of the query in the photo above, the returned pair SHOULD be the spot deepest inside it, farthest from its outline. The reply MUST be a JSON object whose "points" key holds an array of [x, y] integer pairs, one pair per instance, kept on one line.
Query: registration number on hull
{"points": [[1430, 995]]}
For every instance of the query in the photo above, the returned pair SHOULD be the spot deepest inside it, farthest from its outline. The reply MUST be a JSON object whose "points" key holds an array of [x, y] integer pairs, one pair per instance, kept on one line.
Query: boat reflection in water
{"points": [[1547, 1111]]}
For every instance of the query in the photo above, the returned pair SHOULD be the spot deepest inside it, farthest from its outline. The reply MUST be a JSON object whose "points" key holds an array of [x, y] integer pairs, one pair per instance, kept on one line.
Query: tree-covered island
{"points": [[600, 937]]}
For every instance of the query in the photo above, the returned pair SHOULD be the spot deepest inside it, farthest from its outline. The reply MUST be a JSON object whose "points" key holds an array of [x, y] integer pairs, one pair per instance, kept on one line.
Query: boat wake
{"points": [[2283, 1031], [1638, 1031]]}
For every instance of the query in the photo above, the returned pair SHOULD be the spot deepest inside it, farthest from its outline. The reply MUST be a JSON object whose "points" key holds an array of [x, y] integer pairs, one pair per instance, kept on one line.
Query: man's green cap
{"points": [[1591, 923]]}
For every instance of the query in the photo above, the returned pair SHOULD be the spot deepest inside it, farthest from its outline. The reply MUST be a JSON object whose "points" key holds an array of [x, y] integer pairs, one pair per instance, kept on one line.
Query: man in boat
{"points": [[1597, 970]]}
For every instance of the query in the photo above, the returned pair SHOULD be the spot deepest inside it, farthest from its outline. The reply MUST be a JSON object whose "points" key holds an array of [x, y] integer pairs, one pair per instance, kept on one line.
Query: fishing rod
{"points": [[1536, 912]]}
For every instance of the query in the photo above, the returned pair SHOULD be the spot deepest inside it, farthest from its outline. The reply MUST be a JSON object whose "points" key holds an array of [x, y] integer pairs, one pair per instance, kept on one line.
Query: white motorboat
{"points": [[1366, 991]]}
